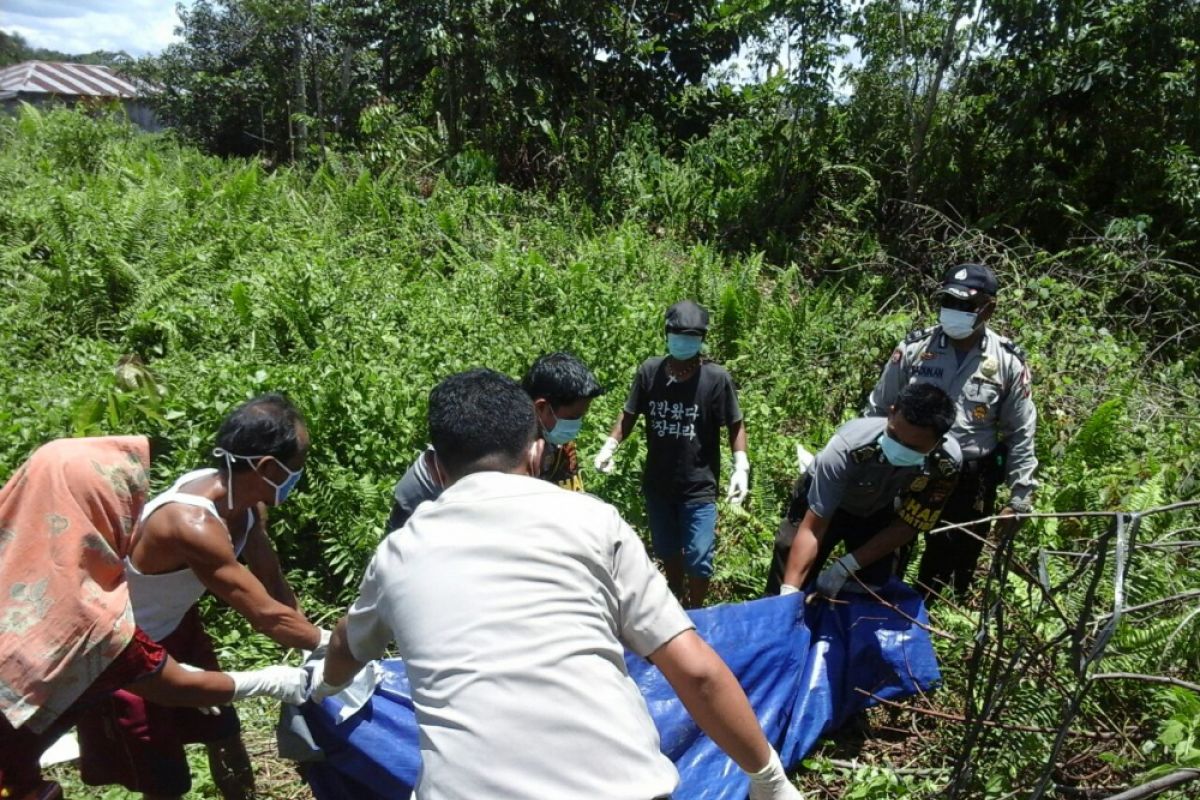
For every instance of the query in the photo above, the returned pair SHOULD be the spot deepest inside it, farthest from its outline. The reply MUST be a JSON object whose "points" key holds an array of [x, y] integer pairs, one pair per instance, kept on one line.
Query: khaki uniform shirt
{"points": [[990, 389], [852, 475]]}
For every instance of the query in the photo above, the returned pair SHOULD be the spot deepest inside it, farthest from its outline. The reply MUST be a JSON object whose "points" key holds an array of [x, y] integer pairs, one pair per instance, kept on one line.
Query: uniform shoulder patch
{"points": [[1014, 348], [861, 455], [944, 463], [920, 334]]}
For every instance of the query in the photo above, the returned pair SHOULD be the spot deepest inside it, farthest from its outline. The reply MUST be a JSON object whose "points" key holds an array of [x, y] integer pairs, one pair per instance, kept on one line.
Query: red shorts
{"points": [[20, 749], [135, 743]]}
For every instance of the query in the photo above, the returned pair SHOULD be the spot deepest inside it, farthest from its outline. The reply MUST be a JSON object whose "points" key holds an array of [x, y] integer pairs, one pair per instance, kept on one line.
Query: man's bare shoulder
{"points": [[192, 529]]}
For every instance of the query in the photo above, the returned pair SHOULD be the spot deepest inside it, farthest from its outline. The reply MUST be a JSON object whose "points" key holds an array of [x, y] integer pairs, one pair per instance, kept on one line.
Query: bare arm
{"points": [[883, 544], [737, 436], [340, 664], [714, 698], [180, 685], [206, 549], [367, 623], [175, 686], [623, 426], [263, 562], [804, 548]]}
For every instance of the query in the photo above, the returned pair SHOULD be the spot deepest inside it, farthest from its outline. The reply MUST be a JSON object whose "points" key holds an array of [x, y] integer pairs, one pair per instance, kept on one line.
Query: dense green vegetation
{"points": [[411, 188], [1068, 121], [151, 287]]}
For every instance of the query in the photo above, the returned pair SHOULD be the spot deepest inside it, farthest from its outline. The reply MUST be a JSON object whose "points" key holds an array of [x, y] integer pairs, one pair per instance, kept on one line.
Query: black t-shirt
{"points": [[683, 428]]}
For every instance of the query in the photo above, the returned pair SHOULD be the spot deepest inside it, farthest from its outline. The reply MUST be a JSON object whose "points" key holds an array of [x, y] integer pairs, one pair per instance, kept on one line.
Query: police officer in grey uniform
{"points": [[876, 485], [987, 377]]}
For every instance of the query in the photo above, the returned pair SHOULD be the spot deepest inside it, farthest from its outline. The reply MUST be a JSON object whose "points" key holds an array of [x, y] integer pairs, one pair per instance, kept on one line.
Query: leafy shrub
{"points": [[153, 289]]}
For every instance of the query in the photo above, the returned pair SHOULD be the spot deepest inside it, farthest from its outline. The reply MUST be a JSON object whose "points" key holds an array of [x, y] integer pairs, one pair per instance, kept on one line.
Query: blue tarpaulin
{"points": [[800, 664]]}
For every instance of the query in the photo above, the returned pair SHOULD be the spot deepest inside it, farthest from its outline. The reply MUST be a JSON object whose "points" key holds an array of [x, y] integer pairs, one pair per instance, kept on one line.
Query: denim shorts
{"points": [[690, 527]]}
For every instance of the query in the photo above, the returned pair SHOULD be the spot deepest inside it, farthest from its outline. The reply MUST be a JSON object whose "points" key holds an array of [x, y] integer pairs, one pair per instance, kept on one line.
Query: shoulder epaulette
{"points": [[861, 455], [945, 463], [1014, 348], [919, 334]]}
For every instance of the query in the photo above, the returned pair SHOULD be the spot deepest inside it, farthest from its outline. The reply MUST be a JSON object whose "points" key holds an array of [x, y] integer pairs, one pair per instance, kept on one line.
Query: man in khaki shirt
{"points": [[511, 601], [986, 376]]}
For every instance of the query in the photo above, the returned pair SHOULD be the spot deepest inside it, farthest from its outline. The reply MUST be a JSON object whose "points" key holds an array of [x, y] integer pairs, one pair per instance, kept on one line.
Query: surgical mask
{"points": [[564, 430], [899, 455], [957, 324], [683, 346], [282, 490]]}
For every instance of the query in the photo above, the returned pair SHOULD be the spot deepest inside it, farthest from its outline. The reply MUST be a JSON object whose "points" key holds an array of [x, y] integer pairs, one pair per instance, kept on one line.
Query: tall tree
{"points": [[532, 84], [1085, 113], [909, 51]]}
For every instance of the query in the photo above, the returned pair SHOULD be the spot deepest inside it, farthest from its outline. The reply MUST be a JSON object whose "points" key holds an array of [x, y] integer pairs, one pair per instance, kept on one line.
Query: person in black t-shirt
{"points": [[686, 401]]}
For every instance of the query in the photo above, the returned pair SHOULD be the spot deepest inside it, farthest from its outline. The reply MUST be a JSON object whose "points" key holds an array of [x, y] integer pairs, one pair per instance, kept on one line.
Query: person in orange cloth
{"points": [[67, 635]]}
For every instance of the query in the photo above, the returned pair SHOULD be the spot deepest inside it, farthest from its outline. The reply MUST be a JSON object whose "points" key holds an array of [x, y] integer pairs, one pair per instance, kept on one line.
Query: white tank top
{"points": [[159, 601]]}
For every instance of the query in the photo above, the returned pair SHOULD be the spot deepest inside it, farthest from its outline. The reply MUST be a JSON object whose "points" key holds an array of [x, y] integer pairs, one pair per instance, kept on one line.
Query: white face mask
{"points": [[282, 490], [957, 324]]}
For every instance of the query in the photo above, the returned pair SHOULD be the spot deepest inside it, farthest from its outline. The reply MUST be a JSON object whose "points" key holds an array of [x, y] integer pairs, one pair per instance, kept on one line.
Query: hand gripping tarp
{"points": [[802, 667]]}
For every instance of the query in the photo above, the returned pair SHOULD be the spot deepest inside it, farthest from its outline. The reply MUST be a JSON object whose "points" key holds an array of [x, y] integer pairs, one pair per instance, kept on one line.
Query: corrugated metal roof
{"points": [[52, 77]]}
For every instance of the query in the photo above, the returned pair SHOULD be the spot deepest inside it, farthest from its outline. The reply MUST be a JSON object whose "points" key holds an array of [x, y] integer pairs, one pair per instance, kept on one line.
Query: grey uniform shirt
{"points": [[510, 600], [990, 389], [420, 481], [852, 475]]}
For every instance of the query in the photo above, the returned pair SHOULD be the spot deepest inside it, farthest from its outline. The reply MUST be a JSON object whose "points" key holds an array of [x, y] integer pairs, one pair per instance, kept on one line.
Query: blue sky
{"points": [[79, 26]]}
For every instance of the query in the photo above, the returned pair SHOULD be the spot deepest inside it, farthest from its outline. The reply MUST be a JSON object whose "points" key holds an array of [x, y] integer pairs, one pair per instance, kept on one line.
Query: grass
{"points": [[274, 777], [151, 288]]}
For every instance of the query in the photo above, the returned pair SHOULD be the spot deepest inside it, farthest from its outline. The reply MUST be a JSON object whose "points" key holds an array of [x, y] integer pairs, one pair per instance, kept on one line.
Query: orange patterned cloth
{"points": [[65, 520]]}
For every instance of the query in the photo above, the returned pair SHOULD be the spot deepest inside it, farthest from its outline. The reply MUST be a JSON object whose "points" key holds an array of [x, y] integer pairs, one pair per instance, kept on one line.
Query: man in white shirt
{"points": [[510, 601]]}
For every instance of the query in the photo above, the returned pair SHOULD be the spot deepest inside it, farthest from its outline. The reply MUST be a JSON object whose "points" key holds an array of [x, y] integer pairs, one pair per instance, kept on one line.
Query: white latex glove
{"points": [[604, 459], [787, 588], [210, 711], [289, 684], [354, 695], [834, 577], [739, 481], [322, 688], [804, 459], [771, 782], [322, 645]]}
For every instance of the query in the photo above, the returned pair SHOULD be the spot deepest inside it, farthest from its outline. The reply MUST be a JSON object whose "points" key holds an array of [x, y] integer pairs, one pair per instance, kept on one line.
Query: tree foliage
{"points": [[152, 288], [14, 49], [528, 83], [1066, 121]]}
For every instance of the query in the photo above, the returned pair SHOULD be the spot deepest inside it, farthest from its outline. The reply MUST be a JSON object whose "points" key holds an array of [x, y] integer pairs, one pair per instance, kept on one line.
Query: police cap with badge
{"points": [[968, 282]]}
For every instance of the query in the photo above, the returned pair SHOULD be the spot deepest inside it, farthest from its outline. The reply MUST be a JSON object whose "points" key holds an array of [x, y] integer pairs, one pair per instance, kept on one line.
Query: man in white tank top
{"points": [[188, 541]]}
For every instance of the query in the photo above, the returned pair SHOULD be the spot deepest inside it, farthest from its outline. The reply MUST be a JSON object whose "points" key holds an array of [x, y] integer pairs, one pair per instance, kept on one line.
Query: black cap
{"points": [[968, 280], [687, 317]]}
